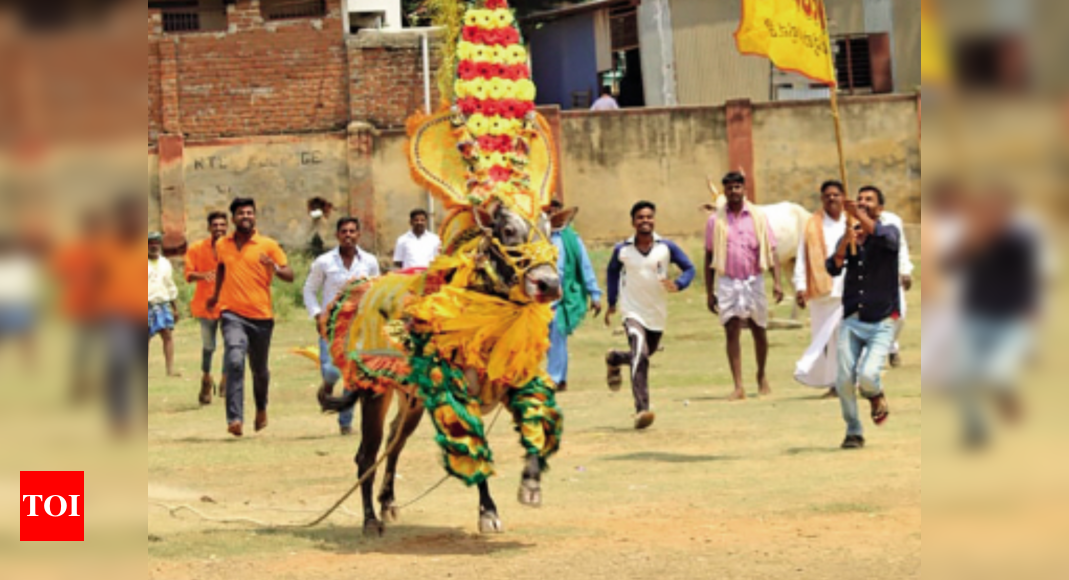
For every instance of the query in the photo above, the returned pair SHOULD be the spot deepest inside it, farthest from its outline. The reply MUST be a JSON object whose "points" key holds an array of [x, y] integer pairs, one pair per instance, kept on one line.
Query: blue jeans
{"points": [[991, 355], [863, 351], [331, 376], [557, 365]]}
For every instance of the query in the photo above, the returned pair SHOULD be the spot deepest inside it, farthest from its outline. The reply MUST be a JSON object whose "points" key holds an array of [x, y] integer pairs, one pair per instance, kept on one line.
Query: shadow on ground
{"points": [[668, 457], [404, 540]]}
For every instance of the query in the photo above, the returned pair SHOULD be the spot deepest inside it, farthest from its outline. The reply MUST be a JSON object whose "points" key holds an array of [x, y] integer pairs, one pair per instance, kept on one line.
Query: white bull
{"points": [[788, 222]]}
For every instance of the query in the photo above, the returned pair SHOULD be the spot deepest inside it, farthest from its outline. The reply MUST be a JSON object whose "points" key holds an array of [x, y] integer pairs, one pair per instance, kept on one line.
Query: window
{"points": [[624, 22], [191, 15], [283, 9], [863, 63]]}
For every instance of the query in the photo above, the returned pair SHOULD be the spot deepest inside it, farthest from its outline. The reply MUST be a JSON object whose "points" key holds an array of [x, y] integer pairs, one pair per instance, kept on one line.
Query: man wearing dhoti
{"points": [[819, 291], [739, 248]]}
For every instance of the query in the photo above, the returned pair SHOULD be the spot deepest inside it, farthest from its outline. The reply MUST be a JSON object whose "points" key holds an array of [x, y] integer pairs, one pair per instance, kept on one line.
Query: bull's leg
{"points": [[531, 484], [489, 522], [411, 421], [373, 422]]}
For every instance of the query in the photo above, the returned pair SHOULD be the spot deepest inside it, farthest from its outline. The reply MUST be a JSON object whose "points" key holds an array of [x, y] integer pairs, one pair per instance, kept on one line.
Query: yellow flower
{"points": [[477, 89], [472, 18], [465, 50], [484, 18], [503, 17], [495, 159], [515, 54], [497, 54], [482, 52], [478, 124], [525, 90], [461, 88], [500, 126], [497, 88]]}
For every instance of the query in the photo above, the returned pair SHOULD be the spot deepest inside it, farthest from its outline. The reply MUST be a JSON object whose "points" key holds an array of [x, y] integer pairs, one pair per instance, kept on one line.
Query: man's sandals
{"points": [[880, 409]]}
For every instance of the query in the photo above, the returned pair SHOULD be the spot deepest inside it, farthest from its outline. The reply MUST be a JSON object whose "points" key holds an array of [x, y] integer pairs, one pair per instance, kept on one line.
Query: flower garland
{"points": [[494, 109]]}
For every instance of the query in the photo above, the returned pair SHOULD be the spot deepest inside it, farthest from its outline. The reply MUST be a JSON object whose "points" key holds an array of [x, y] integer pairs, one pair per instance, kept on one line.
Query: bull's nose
{"points": [[549, 290]]}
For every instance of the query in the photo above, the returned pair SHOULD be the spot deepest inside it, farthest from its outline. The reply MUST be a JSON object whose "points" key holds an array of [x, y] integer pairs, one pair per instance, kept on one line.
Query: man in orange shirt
{"points": [[248, 262], [201, 265]]}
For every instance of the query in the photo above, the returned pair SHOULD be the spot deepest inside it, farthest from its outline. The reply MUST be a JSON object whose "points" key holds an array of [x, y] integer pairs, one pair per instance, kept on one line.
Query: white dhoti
{"points": [[818, 367], [742, 299], [901, 322]]}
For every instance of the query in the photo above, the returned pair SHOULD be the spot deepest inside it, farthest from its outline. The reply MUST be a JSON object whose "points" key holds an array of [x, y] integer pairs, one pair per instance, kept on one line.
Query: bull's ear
{"points": [[486, 214], [563, 218]]}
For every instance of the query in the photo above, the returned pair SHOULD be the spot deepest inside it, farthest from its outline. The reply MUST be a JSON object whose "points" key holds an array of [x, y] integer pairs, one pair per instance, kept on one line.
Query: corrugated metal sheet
{"points": [[709, 70]]}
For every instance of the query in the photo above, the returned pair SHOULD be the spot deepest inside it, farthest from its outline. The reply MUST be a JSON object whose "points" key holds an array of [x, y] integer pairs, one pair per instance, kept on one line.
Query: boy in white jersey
{"points": [[638, 280]]}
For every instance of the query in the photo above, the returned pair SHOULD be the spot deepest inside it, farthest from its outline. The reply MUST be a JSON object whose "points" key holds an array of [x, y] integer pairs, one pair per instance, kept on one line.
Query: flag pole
{"points": [[838, 120]]}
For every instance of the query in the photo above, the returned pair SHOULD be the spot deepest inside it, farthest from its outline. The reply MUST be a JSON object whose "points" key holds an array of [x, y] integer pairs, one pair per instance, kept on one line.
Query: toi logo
{"points": [[52, 506]]}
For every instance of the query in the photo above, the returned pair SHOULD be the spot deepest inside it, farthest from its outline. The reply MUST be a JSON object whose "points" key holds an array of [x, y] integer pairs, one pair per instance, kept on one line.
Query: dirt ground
{"points": [[757, 489]]}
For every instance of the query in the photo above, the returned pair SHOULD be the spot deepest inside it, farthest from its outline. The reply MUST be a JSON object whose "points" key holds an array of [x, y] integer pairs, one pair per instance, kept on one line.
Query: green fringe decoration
{"points": [[451, 391], [535, 404]]}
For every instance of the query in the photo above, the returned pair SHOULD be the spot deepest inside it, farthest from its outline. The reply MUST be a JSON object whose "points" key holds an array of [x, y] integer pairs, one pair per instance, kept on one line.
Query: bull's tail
{"points": [[340, 404]]}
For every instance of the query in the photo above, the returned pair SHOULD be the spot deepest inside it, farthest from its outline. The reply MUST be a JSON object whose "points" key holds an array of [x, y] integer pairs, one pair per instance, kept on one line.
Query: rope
{"points": [[173, 510], [345, 497], [445, 478]]}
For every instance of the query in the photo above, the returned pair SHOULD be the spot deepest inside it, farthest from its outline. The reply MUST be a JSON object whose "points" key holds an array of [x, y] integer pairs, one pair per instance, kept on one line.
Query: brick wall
{"points": [[257, 78], [281, 77], [386, 77]]}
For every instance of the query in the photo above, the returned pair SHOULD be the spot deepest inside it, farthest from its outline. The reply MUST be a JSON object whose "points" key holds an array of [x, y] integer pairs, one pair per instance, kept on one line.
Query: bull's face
{"points": [[521, 252]]}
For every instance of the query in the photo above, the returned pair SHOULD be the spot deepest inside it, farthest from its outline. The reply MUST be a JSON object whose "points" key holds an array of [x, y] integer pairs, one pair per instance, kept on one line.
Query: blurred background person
{"points": [[19, 288], [417, 248], [162, 299], [117, 297], [999, 260]]}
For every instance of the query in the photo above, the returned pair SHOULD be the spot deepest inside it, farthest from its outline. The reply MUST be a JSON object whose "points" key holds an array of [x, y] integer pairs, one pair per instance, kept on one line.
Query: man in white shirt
{"points": [[638, 279], [162, 294], [905, 271], [418, 247], [329, 274], [819, 291], [605, 102]]}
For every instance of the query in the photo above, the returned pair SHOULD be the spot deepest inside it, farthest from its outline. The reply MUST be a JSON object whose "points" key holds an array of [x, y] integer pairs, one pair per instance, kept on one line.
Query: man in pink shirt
{"points": [[740, 246]]}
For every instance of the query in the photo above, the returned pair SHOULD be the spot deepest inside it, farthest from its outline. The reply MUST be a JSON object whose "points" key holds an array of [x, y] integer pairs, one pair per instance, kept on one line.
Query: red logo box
{"points": [[52, 506]]}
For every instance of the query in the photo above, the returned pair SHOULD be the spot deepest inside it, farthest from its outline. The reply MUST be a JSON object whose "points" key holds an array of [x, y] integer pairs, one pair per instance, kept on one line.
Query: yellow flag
{"points": [[792, 33], [935, 66]]}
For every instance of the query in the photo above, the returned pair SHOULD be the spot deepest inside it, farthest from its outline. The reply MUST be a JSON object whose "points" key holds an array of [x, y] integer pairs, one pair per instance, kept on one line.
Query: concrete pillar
{"points": [[172, 193], [361, 147], [170, 111], [739, 116]]}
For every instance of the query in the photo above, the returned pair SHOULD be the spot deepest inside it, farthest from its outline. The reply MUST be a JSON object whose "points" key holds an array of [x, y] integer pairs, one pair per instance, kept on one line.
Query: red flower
{"points": [[491, 36], [468, 105], [510, 109], [467, 70], [505, 143], [487, 144], [497, 4], [495, 70], [491, 108], [472, 33], [498, 173], [508, 35], [512, 73], [483, 69]]}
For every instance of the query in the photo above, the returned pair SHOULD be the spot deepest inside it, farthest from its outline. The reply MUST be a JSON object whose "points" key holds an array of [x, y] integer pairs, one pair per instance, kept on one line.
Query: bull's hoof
{"points": [[530, 493], [489, 523], [373, 529], [390, 513]]}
